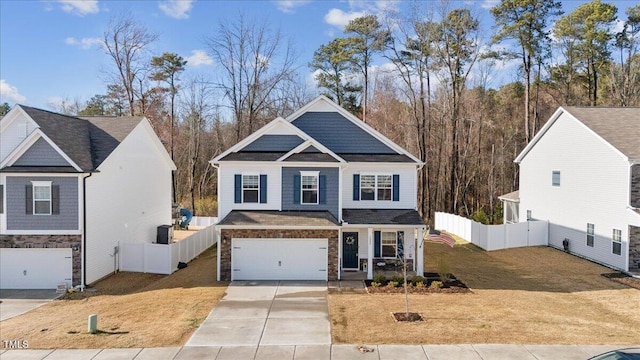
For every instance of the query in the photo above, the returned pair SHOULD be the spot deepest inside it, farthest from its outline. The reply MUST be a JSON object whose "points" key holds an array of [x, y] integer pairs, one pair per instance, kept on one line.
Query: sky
{"points": [[50, 49]]}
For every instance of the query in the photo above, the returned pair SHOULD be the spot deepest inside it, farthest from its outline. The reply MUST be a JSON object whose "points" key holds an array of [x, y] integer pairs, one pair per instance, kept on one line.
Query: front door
{"points": [[350, 250]]}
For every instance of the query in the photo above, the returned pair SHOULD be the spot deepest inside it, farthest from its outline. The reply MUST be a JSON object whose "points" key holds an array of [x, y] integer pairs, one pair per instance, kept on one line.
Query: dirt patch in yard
{"points": [[535, 295], [134, 310]]}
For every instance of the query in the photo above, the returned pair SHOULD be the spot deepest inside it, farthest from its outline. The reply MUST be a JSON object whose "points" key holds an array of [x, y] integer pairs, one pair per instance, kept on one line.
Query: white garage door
{"points": [[35, 268], [279, 259]]}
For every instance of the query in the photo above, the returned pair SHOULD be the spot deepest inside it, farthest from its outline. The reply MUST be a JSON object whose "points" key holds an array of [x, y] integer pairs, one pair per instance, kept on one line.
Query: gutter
{"points": [[84, 232]]}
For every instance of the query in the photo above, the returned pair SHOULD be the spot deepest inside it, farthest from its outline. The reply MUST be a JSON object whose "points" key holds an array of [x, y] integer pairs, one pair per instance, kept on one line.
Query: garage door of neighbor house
{"points": [[35, 268], [279, 259]]}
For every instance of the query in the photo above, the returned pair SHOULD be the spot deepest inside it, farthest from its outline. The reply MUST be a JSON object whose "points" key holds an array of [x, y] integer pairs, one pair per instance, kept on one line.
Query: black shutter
{"points": [[356, 187], [263, 189], [396, 187], [28, 199], [322, 189], [238, 189], [296, 189], [55, 199], [377, 240], [1, 199]]}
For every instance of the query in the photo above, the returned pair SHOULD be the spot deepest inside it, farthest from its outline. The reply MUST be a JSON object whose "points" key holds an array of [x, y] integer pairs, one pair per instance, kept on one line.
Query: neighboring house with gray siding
{"points": [[314, 195], [581, 173], [62, 199]]}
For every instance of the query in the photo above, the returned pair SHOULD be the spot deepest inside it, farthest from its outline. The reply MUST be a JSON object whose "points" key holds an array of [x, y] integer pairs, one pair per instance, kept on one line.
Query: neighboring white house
{"points": [[72, 189], [313, 195], [581, 172]]}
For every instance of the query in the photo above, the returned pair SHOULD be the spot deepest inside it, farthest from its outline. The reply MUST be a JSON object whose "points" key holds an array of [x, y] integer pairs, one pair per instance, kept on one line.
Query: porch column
{"points": [[370, 253], [218, 241], [420, 252]]}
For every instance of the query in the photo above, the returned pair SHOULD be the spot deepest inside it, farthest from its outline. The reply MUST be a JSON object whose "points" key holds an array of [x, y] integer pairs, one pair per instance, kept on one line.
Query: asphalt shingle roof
{"points": [[512, 196], [619, 126], [280, 218], [382, 216], [88, 141], [253, 156]]}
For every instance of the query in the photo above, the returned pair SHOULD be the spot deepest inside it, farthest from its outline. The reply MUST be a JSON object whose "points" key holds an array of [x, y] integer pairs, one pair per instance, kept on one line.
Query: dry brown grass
{"points": [[529, 295], [134, 310]]}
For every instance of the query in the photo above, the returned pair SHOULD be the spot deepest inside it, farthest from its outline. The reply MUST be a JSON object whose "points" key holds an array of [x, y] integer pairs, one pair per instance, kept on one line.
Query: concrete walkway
{"points": [[256, 313], [321, 352]]}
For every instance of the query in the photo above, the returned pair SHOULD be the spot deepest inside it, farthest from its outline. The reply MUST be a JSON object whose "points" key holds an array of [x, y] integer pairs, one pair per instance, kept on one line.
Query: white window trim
{"points": [[315, 174], [616, 241], [375, 185], [35, 184], [395, 238], [242, 181], [592, 234]]}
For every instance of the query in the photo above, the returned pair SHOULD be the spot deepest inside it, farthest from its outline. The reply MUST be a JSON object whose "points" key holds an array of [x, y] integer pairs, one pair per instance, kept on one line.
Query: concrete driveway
{"points": [[268, 313], [16, 302]]}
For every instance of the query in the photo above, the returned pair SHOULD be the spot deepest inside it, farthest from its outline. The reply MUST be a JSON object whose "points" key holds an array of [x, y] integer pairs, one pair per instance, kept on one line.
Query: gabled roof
{"points": [[513, 196], [88, 141], [617, 126], [324, 126]]}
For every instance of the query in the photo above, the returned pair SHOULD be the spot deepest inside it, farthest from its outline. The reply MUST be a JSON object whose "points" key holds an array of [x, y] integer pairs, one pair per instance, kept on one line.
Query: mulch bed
{"points": [[623, 279], [452, 286], [400, 316]]}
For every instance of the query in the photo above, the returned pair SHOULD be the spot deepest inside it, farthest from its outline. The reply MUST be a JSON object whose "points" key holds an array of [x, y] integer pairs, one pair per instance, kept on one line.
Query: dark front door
{"points": [[350, 250]]}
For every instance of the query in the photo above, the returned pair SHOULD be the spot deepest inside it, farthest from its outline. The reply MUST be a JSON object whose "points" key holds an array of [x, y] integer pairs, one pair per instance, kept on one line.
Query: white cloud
{"points": [[339, 18], [84, 43], [199, 58], [176, 8], [288, 6], [9, 92], [80, 7]]}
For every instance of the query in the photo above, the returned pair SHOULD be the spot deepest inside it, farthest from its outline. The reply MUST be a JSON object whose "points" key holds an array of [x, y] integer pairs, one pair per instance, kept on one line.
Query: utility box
{"points": [[165, 234]]}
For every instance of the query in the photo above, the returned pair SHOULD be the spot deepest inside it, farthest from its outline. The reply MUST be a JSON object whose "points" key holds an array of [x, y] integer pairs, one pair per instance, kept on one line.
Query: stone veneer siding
{"points": [[634, 248], [228, 234], [49, 241], [635, 186]]}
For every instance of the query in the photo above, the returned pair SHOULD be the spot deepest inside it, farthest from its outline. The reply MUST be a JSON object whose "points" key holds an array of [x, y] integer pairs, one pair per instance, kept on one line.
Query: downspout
{"points": [[83, 283]]}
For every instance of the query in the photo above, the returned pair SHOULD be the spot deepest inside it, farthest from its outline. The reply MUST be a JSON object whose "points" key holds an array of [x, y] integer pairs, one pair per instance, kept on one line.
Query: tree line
{"points": [[434, 96]]}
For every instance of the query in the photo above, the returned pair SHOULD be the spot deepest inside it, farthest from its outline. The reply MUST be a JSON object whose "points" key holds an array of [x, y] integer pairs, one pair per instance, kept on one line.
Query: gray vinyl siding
{"points": [[635, 186], [339, 134], [273, 143], [41, 154], [332, 176], [17, 219]]}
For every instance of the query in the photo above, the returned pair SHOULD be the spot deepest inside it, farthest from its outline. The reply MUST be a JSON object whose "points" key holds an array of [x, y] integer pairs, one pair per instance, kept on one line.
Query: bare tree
{"points": [[126, 41], [255, 59]]}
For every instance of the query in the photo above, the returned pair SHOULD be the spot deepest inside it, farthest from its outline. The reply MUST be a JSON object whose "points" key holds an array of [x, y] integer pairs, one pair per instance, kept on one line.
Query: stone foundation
{"points": [[49, 241], [227, 234], [634, 248]]}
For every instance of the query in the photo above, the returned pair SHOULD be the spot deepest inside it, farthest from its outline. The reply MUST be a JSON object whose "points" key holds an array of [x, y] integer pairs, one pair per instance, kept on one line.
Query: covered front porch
{"points": [[379, 241]]}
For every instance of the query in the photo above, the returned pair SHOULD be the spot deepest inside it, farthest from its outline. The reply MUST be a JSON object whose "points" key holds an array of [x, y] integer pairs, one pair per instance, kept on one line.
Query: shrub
{"points": [[398, 278], [435, 284], [444, 270], [393, 284], [416, 279], [480, 216], [420, 285], [375, 284], [379, 278]]}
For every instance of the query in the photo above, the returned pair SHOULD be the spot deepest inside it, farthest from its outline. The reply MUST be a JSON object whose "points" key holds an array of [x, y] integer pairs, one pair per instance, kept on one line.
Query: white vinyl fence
{"points": [[494, 237], [203, 221], [163, 258]]}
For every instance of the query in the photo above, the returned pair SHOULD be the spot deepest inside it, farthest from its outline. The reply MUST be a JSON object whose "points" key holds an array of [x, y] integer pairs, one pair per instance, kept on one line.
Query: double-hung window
{"points": [[616, 245], [376, 187], [389, 244], [250, 188], [555, 178], [590, 234], [309, 187], [41, 197]]}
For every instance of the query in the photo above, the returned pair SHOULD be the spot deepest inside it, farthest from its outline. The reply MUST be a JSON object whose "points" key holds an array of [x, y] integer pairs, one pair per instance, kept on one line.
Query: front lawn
{"points": [[535, 295], [134, 310]]}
